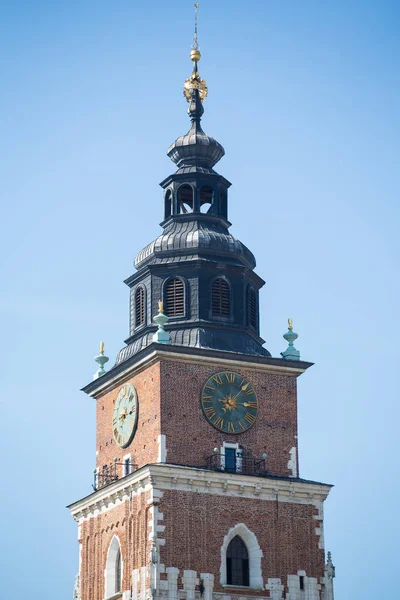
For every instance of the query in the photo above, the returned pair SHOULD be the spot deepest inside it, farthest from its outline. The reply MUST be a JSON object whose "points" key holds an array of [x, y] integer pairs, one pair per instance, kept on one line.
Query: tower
{"points": [[197, 490]]}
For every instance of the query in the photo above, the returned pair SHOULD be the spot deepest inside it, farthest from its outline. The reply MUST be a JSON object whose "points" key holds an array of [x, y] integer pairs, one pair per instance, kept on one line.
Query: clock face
{"points": [[229, 402], [125, 415]]}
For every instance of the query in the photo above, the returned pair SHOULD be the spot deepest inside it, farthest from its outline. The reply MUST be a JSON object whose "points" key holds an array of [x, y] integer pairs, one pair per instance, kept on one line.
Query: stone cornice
{"points": [[190, 479], [156, 352]]}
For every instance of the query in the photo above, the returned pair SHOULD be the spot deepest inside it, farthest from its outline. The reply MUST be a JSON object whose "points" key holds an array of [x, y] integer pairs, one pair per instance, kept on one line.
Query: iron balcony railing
{"points": [[238, 463], [109, 473]]}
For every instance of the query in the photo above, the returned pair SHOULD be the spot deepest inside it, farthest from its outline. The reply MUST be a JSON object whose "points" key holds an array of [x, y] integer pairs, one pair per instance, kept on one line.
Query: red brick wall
{"points": [[190, 439], [196, 524], [144, 446], [129, 521]]}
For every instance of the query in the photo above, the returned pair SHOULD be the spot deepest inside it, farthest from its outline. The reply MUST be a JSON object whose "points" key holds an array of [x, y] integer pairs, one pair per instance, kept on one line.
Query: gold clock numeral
{"points": [[208, 387], [250, 418], [230, 377], [241, 426], [218, 379], [207, 398], [231, 427], [251, 404], [219, 422], [249, 392], [210, 412]]}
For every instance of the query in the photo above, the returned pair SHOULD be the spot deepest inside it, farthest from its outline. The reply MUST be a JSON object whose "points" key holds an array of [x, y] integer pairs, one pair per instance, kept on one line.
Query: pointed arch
{"points": [[254, 553], [114, 568]]}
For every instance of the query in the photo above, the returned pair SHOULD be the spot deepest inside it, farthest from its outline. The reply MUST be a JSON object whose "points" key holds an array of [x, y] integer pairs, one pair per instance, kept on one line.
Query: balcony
{"points": [[109, 473], [228, 462], [237, 462]]}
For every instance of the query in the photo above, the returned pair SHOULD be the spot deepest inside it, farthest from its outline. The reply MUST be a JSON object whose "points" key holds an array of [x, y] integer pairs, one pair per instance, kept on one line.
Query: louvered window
{"points": [[237, 563], [139, 307], [221, 298], [174, 298], [252, 308]]}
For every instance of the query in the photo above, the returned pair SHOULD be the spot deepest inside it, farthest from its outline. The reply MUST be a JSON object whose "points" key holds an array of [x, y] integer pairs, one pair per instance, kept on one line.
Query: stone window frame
{"points": [[255, 556], [126, 462], [110, 571]]}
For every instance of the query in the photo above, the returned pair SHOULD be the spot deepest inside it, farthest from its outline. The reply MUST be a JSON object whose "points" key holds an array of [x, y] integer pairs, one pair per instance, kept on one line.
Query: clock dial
{"points": [[125, 415], [229, 402]]}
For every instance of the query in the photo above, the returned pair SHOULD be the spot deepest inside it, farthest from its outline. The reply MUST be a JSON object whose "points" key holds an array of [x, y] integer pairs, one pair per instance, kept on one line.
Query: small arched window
{"points": [[167, 204], [113, 571], [185, 198], [237, 563], [139, 307], [252, 308], [174, 298], [220, 298], [206, 198]]}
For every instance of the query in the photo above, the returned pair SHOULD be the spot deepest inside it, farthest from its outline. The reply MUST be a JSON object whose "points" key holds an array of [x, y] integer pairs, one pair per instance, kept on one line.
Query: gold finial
{"points": [[101, 347], [290, 324], [160, 306]]}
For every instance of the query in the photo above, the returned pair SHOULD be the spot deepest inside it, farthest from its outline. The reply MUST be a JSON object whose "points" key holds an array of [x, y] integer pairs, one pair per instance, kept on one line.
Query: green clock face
{"points": [[229, 402], [125, 415]]}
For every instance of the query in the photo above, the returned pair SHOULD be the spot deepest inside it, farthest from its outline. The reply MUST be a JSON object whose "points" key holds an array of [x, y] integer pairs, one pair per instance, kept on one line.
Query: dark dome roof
{"points": [[196, 148], [203, 236]]}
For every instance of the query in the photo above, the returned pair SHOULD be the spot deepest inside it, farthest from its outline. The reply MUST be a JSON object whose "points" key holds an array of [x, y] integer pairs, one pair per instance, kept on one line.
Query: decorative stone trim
{"points": [[156, 478], [274, 367]]}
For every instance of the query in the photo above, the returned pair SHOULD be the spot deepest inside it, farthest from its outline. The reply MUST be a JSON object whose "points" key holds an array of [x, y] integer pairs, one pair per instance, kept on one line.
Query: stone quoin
{"points": [[197, 492]]}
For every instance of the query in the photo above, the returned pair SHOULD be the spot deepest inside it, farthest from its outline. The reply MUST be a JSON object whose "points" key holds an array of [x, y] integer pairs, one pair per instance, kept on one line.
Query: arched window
{"points": [[206, 198], [237, 563], [174, 298], [185, 198], [167, 204], [139, 307], [220, 298], [113, 572], [236, 556], [252, 308]]}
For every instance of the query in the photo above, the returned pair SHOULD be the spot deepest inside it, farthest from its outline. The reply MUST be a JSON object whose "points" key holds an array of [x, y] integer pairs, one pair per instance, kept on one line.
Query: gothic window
{"points": [[220, 298], [174, 298], [252, 308], [206, 198], [185, 199], [237, 563], [113, 571], [139, 307]]}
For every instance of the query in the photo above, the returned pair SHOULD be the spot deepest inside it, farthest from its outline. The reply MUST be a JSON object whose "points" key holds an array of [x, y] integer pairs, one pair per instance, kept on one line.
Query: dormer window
{"points": [[221, 298], [139, 307], [252, 308], [174, 298]]}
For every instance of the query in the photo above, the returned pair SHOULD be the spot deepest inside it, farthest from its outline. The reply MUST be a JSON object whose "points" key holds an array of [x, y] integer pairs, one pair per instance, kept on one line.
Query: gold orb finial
{"points": [[195, 55]]}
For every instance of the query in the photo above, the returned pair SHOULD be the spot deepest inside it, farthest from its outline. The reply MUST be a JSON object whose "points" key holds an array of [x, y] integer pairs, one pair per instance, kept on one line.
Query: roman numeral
{"points": [[217, 378], [231, 427], [249, 392], [250, 418], [209, 387], [207, 398], [230, 377], [210, 412], [219, 423]]}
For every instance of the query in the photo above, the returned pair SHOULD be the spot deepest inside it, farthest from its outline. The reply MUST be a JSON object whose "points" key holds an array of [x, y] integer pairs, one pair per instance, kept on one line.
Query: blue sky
{"points": [[304, 97]]}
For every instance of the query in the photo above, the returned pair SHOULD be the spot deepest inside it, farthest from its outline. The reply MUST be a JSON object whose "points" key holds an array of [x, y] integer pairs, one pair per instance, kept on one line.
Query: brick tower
{"points": [[197, 492]]}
